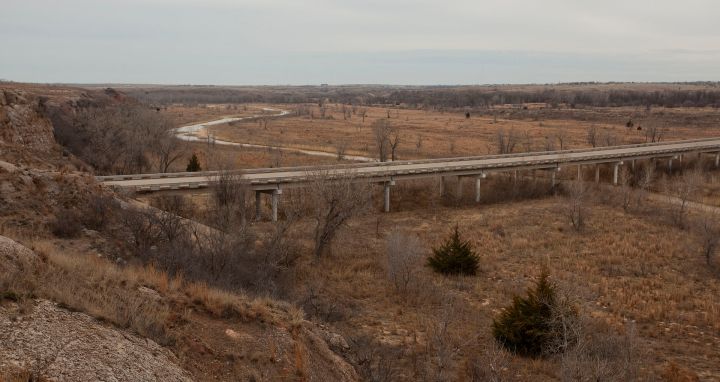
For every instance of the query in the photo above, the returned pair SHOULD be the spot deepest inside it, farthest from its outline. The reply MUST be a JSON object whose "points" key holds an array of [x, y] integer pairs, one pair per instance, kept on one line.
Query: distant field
{"points": [[433, 133]]}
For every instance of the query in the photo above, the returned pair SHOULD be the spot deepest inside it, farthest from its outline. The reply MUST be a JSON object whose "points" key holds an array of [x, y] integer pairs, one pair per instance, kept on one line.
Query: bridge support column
{"points": [[670, 165], [616, 167], [717, 160], [275, 202], [553, 182], [579, 174], [477, 187], [442, 186], [633, 165], [597, 173], [386, 195], [258, 205], [458, 189]]}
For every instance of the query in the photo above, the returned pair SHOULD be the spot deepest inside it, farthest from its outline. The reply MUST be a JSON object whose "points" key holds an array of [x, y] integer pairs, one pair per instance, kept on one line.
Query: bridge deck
{"points": [[268, 179]]}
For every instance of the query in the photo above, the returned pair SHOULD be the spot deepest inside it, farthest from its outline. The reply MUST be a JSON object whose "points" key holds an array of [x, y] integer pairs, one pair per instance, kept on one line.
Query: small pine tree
{"points": [[454, 257], [527, 326], [193, 164]]}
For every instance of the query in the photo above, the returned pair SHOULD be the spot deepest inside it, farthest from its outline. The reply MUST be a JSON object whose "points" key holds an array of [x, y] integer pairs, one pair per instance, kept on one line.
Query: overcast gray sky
{"points": [[358, 41]]}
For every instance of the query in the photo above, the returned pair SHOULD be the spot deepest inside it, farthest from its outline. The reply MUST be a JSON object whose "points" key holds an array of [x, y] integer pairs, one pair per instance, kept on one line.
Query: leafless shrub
{"points": [[440, 344], [602, 355], [708, 229], [644, 183], [229, 194], [592, 136], [506, 141], [143, 228], [549, 143], [170, 216], [334, 198], [654, 133], [488, 365], [574, 206], [404, 258], [98, 210], [681, 191], [375, 362], [609, 139], [527, 141], [341, 149], [66, 223], [625, 189], [418, 143]]}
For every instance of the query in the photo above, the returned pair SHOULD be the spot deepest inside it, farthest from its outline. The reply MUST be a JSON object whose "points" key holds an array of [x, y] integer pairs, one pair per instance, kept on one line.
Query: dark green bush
{"points": [[533, 325], [193, 165], [454, 257]]}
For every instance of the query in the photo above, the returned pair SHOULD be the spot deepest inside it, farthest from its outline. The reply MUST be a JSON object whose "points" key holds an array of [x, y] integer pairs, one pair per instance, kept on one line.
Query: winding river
{"points": [[193, 133]]}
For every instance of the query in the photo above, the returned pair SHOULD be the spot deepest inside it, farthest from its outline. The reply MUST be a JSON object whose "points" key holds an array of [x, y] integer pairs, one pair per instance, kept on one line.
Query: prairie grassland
{"points": [[433, 133], [627, 270]]}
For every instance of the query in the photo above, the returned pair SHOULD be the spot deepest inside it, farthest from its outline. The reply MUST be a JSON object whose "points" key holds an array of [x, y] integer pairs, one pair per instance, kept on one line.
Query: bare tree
{"points": [[561, 136], [549, 143], [527, 141], [418, 143], [404, 258], [654, 134], [386, 138], [341, 148], [609, 139], [363, 114], [709, 231], [229, 194], [394, 141], [166, 147], [334, 197], [506, 141], [592, 136]]}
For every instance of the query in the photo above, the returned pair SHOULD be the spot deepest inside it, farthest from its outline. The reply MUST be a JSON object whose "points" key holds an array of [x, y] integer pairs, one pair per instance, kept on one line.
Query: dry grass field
{"points": [[626, 271], [433, 133]]}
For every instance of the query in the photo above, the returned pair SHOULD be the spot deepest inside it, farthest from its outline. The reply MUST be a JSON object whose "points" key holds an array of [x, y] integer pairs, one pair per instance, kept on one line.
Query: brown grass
{"points": [[623, 267], [444, 134]]}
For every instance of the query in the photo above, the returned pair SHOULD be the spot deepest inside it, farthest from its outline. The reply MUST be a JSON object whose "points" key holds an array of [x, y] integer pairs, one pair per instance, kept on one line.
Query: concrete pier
{"points": [[616, 168], [477, 187], [597, 173], [258, 205], [275, 202]]}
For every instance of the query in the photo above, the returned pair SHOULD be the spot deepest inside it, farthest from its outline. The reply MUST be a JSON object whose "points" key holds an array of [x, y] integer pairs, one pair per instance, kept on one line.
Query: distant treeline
{"points": [[599, 98], [598, 95]]}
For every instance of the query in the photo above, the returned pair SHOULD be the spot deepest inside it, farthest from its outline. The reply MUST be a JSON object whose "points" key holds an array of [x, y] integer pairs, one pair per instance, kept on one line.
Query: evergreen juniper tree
{"points": [[454, 257], [193, 164], [526, 327]]}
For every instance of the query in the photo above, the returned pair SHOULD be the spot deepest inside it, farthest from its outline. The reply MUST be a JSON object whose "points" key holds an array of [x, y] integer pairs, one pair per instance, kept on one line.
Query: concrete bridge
{"points": [[273, 180]]}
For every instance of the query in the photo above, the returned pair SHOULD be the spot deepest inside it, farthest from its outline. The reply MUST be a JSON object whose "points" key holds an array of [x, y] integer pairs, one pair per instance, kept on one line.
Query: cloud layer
{"points": [[352, 41]]}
